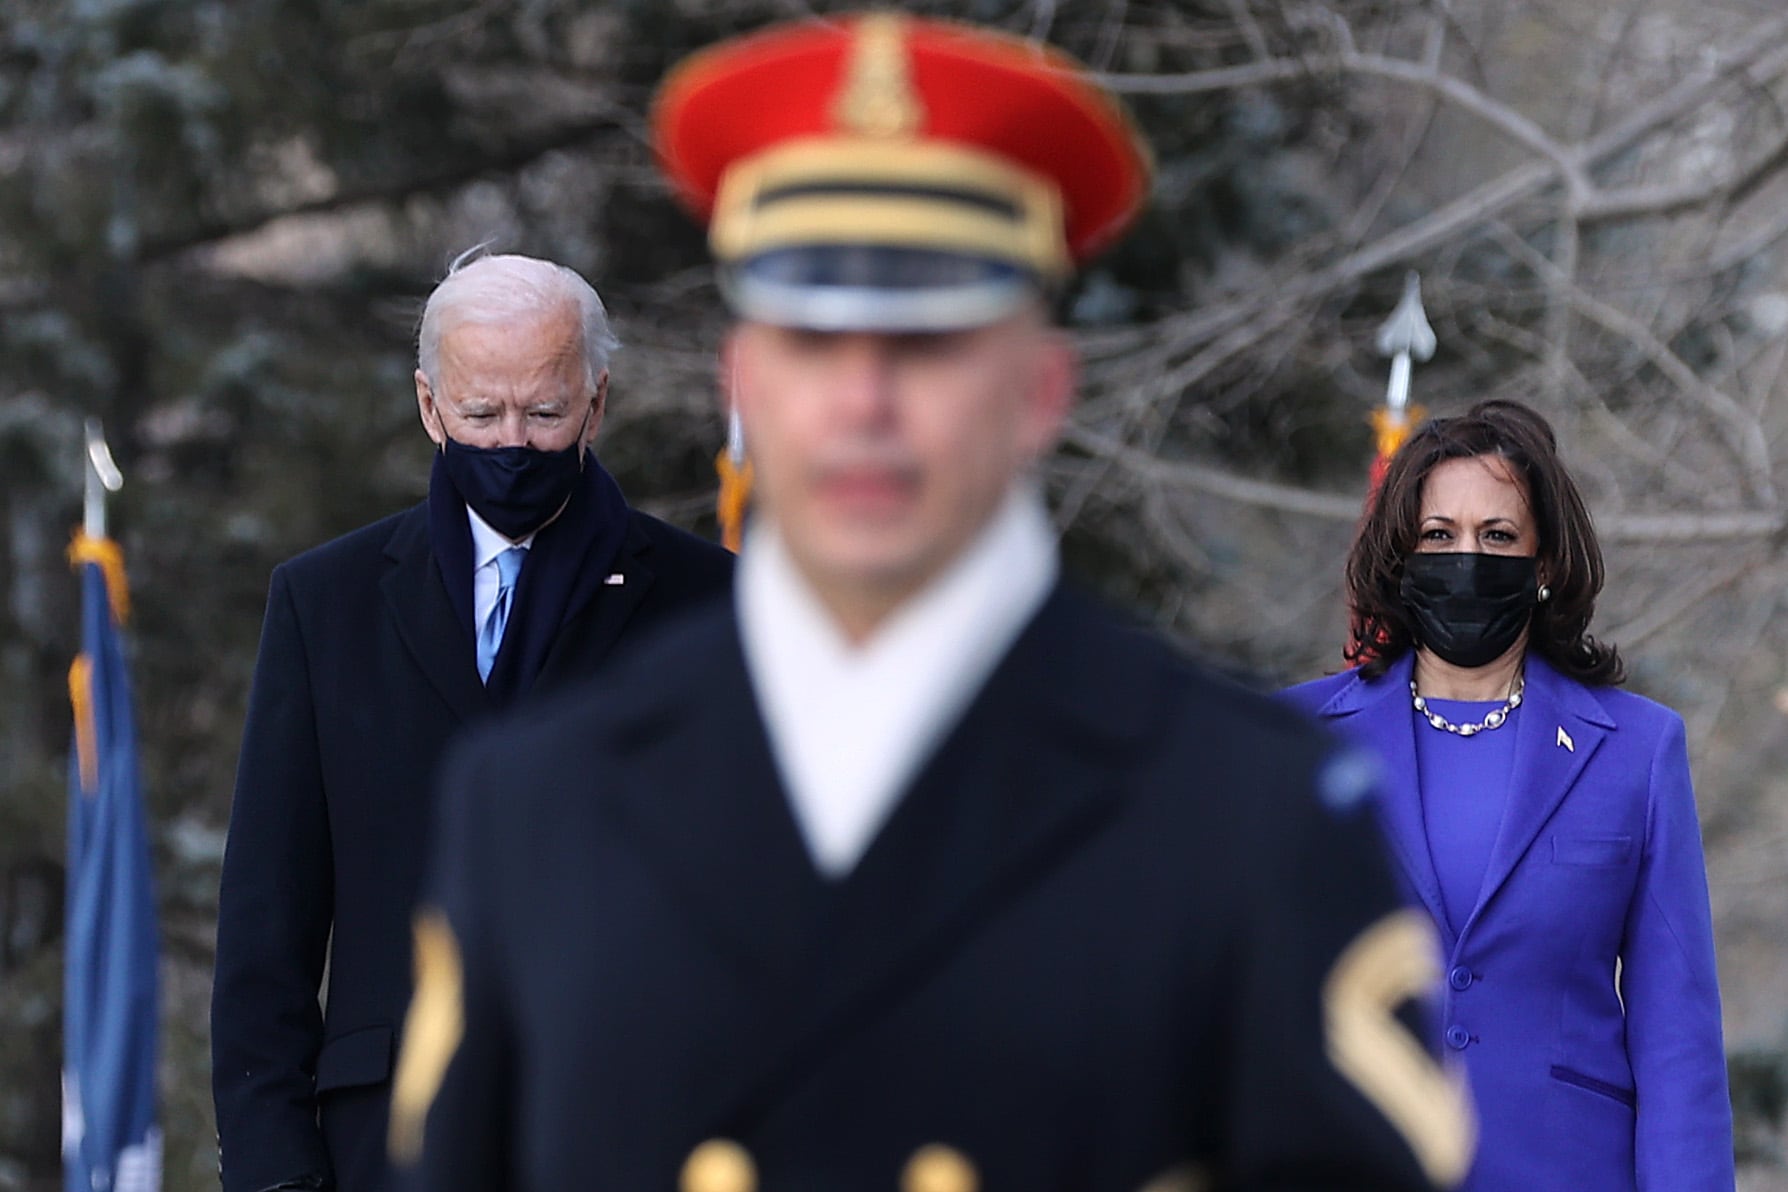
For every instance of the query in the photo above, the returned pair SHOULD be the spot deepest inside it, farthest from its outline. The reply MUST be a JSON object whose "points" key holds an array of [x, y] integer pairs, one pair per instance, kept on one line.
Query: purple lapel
{"points": [[1558, 728]]}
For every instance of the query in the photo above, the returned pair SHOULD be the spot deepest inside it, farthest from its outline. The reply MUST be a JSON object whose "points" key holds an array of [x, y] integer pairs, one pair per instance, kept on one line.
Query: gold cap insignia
{"points": [[878, 99]]}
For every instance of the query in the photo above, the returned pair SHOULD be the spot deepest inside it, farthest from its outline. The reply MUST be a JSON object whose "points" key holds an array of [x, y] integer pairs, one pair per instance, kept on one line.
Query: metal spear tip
{"points": [[735, 435], [99, 458], [1407, 330]]}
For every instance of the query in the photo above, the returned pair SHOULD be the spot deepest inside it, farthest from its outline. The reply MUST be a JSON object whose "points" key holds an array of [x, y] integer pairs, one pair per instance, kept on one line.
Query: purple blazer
{"points": [[1582, 1085]]}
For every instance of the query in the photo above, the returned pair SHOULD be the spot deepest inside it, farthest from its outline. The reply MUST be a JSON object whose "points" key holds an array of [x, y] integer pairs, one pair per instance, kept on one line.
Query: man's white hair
{"points": [[500, 288]]}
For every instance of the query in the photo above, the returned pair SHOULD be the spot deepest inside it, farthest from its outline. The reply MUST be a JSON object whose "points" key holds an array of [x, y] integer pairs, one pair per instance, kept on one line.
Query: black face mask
{"points": [[1469, 608], [515, 489]]}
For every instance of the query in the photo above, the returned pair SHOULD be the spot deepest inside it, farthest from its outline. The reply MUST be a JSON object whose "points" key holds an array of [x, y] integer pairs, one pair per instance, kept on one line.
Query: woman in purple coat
{"points": [[1541, 815]]}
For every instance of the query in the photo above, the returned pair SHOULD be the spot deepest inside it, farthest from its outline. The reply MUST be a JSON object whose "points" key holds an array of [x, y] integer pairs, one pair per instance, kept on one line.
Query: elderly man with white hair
{"points": [[522, 571]]}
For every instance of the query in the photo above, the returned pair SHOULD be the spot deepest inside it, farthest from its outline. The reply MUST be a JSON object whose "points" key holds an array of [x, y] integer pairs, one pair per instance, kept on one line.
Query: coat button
{"points": [[1458, 1037], [719, 1165], [938, 1168], [1460, 977]]}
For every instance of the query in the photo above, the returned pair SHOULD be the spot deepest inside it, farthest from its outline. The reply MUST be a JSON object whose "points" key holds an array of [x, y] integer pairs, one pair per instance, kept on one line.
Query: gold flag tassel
{"points": [[735, 485], [104, 553]]}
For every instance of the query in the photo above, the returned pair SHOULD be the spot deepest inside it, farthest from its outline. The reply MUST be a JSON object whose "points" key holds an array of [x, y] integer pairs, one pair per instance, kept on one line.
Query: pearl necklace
{"points": [[1496, 719]]}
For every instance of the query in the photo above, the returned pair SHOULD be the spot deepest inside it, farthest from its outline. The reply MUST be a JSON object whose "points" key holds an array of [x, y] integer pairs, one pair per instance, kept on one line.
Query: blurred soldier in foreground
{"points": [[912, 868], [520, 572]]}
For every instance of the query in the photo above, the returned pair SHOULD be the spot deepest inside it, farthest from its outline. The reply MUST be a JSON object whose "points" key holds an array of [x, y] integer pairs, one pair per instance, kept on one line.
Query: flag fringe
{"points": [[106, 554]]}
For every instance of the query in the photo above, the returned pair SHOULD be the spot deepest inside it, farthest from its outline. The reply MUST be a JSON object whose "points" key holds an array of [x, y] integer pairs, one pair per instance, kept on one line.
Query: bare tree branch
{"points": [[1661, 528], [1635, 202], [1500, 116]]}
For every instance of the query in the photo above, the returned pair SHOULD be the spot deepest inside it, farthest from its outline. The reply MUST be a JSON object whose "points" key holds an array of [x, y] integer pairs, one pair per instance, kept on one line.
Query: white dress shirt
{"points": [[850, 726], [487, 544]]}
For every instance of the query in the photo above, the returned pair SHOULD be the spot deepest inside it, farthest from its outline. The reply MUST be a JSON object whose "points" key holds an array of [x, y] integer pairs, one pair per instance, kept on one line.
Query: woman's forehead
{"points": [[1478, 484]]}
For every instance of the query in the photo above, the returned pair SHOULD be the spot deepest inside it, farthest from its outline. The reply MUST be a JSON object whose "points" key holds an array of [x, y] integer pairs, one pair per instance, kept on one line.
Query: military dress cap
{"points": [[884, 172]]}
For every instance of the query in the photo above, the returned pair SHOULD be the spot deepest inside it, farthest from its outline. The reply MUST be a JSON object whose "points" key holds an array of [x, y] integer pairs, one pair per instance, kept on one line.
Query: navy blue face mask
{"points": [[516, 489]]}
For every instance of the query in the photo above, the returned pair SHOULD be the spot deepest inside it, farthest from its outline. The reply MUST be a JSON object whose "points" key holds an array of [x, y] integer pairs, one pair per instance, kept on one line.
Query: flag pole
{"points": [[103, 477], [1406, 337], [111, 1139]]}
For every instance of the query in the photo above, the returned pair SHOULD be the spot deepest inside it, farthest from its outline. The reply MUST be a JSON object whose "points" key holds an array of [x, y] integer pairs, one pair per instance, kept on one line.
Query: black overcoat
{"points": [[1095, 944], [365, 674]]}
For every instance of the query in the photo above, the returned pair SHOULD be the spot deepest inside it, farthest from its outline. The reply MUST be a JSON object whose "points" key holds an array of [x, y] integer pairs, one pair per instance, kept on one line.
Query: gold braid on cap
{"points": [[874, 179], [877, 99]]}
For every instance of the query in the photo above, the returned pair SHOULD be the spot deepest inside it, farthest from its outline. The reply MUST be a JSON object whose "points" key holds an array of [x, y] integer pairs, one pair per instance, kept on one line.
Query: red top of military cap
{"points": [[1019, 100]]}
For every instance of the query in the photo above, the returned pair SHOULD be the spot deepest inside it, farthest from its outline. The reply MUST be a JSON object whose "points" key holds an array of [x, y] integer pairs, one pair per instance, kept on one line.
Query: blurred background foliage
{"points": [[218, 219]]}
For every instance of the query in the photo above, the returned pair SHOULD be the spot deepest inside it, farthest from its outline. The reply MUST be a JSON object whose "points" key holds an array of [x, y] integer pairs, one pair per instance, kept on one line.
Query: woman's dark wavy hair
{"points": [[1569, 556]]}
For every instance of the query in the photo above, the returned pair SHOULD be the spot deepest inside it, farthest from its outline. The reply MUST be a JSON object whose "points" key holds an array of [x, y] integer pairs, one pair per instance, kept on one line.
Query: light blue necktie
{"points": [[490, 637]]}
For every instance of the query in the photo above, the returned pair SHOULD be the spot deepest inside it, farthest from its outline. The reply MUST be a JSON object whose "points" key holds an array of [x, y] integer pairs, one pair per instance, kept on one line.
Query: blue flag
{"points": [[110, 1141]]}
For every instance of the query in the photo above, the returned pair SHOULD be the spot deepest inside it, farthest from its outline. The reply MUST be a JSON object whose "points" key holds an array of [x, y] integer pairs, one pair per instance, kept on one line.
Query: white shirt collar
{"points": [[488, 543], [851, 726]]}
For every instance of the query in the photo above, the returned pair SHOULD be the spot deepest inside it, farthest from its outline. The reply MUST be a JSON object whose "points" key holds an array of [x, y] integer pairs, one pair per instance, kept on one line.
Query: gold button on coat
{"points": [[719, 1165], [938, 1168]]}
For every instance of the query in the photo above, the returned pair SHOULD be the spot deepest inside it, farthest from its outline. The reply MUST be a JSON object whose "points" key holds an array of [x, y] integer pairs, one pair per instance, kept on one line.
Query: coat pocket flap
{"points": [[1591, 850], [1608, 1089], [358, 1057]]}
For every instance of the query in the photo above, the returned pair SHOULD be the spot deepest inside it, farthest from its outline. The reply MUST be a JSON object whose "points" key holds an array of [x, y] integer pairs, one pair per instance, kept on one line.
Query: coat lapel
{"points": [[1558, 729], [599, 610], [708, 811], [1379, 713], [1027, 777], [436, 633], [1025, 774], [431, 629]]}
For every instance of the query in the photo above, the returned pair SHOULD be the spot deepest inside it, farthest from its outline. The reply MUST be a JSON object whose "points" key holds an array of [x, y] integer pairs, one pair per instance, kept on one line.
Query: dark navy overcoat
{"points": [[365, 673]]}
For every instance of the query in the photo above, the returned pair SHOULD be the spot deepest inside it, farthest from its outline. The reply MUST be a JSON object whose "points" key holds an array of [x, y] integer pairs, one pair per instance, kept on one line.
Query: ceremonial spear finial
{"points": [[102, 477], [1405, 335]]}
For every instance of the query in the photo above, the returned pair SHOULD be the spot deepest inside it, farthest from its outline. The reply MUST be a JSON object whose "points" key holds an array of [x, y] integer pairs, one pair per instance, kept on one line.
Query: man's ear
{"points": [[428, 411], [1053, 385], [598, 407]]}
